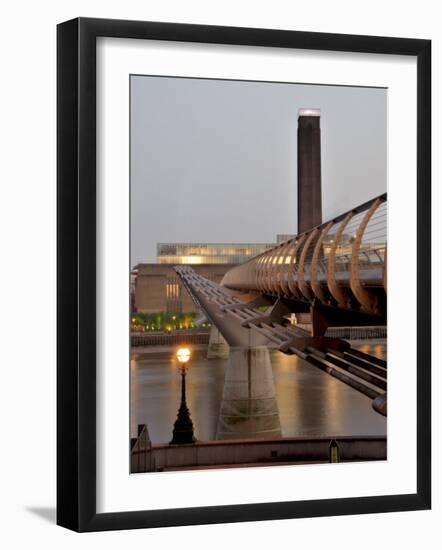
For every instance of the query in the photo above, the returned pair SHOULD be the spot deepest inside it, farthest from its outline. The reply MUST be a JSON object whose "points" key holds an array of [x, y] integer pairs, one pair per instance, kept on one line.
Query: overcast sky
{"points": [[216, 161]]}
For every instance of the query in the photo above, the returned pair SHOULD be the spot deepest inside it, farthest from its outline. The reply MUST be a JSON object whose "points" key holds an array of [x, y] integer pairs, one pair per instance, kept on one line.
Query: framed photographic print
{"points": [[243, 266]]}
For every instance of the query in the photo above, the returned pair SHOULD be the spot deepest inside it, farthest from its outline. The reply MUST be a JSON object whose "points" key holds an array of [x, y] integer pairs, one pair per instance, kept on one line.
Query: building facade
{"points": [[159, 289]]}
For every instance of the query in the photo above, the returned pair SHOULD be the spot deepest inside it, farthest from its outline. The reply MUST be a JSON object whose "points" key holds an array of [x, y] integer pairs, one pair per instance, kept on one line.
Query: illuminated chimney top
{"points": [[309, 112]]}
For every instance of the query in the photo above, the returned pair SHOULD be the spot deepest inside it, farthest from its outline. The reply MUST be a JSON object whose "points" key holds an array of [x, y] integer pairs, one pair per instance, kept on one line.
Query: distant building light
{"points": [[309, 112], [208, 253]]}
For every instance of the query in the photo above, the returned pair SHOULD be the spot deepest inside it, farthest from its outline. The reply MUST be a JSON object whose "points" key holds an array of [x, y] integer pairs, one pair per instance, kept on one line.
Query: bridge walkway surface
{"points": [[363, 372]]}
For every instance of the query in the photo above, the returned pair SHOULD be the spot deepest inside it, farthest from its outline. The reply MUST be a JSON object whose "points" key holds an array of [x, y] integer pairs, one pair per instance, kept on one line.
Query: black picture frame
{"points": [[76, 273]]}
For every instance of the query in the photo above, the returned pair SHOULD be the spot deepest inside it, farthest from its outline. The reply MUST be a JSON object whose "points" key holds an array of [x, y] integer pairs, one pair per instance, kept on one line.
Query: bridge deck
{"points": [[365, 373]]}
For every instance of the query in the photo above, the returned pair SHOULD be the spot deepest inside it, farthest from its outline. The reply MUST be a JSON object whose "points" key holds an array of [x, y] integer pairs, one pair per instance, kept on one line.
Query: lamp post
{"points": [[183, 427]]}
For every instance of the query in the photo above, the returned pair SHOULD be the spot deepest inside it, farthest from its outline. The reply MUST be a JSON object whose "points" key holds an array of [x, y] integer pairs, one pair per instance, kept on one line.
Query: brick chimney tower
{"points": [[309, 169]]}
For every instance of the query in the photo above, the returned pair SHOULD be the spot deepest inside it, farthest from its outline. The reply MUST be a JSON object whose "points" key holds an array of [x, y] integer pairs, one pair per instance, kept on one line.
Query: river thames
{"points": [[310, 402]]}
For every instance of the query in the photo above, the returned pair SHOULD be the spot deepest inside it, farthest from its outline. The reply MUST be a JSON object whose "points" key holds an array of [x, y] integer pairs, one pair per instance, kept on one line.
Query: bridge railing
{"points": [[371, 258], [341, 262]]}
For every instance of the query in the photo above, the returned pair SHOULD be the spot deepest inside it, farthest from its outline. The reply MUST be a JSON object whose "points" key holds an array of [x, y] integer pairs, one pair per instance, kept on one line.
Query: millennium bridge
{"points": [[329, 276]]}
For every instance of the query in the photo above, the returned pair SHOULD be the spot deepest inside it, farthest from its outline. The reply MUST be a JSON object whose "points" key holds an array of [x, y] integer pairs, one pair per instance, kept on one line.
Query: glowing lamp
{"points": [[183, 355]]}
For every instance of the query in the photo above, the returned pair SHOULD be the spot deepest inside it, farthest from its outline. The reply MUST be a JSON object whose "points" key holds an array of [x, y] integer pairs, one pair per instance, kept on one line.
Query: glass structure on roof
{"points": [[208, 253]]}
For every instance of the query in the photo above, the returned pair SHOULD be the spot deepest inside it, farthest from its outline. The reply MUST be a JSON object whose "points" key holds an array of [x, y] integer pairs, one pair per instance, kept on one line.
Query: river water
{"points": [[310, 402]]}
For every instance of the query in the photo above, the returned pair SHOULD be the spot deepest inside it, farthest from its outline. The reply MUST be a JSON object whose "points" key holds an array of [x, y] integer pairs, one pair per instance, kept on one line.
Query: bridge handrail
{"points": [[350, 243]]}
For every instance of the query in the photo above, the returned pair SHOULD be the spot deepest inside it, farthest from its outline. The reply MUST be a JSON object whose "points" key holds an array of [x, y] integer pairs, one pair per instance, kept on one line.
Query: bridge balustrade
{"points": [[341, 262]]}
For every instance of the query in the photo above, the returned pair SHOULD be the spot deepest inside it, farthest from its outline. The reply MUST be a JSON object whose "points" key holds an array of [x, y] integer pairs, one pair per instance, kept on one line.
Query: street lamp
{"points": [[183, 427]]}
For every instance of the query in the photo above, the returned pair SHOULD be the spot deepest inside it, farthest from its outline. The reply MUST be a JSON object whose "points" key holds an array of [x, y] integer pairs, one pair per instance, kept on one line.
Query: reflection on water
{"points": [[378, 348], [310, 402]]}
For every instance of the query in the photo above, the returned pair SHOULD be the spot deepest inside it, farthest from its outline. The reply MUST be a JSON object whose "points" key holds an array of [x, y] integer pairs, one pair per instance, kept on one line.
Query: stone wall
{"points": [[255, 452]]}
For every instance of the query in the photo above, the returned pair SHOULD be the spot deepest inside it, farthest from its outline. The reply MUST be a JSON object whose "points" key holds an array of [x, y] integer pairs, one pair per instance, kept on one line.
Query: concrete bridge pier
{"points": [[218, 347], [249, 408]]}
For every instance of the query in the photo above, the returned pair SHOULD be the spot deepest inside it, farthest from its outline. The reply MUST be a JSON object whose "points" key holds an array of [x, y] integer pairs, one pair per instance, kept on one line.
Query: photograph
{"points": [[206, 209], [258, 273]]}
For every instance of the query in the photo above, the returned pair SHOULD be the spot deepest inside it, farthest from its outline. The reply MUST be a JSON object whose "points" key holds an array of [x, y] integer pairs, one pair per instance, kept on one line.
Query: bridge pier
{"points": [[249, 408], [218, 347]]}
